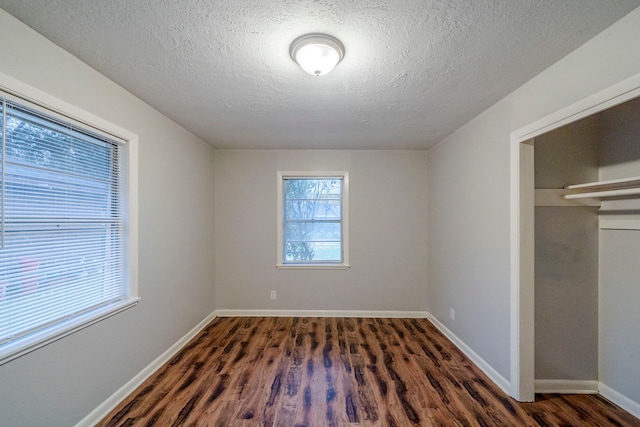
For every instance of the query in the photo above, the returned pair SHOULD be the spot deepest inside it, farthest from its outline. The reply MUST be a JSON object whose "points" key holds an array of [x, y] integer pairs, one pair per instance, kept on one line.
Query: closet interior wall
{"points": [[566, 258]]}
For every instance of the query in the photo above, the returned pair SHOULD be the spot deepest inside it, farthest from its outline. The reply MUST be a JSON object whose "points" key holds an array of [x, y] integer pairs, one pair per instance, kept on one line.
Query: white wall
{"points": [[61, 383], [619, 314], [619, 319], [468, 215], [387, 233], [469, 191]]}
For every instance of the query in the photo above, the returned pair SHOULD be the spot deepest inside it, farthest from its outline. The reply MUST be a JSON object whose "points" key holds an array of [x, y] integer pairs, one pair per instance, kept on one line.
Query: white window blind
{"points": [[61, 223]]}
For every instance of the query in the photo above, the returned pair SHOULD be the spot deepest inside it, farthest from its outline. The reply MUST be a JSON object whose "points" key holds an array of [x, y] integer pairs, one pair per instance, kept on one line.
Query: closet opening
{"points": [[575, 258]]}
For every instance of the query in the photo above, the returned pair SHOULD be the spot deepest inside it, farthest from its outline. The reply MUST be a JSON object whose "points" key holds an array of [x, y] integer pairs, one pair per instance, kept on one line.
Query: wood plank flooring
{"points": [[295, 372]]}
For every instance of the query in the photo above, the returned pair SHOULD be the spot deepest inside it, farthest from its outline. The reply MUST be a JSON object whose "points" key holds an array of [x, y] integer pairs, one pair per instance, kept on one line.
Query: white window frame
{"points": [[344, 176], [15, 90]]}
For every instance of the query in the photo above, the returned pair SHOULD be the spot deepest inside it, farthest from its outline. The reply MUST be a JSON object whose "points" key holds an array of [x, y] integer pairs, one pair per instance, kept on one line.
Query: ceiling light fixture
{"points": [[317, 54]]}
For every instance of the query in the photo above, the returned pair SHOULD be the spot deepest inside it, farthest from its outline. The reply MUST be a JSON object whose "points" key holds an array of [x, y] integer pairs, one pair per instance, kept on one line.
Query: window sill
{"points": [[313, 266], [40, 339]]}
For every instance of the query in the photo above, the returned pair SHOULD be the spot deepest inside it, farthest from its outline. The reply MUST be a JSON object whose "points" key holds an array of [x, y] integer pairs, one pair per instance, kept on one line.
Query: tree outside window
{"points": [[312, 219]]}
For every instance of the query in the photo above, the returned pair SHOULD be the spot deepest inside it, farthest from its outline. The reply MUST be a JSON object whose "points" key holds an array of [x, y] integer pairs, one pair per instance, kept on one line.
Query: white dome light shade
{"points": [[317, 54]]}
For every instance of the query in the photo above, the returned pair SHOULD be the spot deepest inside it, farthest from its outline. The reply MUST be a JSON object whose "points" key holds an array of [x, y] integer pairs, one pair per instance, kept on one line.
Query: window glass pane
{"points": [[313, 188], [303, 252], [312, 231], [318, 209], [312, 227]]}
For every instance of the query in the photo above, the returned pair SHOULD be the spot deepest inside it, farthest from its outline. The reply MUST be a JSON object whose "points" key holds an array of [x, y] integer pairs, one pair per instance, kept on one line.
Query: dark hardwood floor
{"points": [[338, 372]]}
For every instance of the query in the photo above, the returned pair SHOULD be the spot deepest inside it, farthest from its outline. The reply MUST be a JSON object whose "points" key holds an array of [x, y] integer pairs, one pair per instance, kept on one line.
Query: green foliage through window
{"points": [[312, 220]]}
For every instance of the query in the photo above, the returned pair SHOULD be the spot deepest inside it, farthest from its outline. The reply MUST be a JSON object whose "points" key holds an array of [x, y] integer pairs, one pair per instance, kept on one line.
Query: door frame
{"points": [[522, 225]]}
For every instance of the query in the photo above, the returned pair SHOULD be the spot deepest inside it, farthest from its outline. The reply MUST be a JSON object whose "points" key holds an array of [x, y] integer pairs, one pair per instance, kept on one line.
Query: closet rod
{"points": [[609, 193], [611, 184]]}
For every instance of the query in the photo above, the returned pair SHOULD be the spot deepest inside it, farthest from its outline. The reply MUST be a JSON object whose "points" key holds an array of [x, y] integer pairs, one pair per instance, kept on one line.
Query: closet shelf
{"points": [[602, 189]]}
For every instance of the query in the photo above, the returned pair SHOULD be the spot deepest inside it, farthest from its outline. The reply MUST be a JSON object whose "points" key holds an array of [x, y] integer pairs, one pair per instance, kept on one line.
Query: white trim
{"points": [[44, 337], [522, 241], [43, 99], [131, 208], [514, 228], [619, 399], [610, 97], [327, 266], [107, 406], [522, 319], [324, 313], [493, 375], [567, 386]]}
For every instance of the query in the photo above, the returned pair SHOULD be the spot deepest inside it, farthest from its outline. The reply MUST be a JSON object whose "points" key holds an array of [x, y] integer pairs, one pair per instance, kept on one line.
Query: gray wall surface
{"points": [[566, 257], [388, 194], [620, 257], [469, 184], [468, 216], [566, 293], [58, 385], [619, 315]]}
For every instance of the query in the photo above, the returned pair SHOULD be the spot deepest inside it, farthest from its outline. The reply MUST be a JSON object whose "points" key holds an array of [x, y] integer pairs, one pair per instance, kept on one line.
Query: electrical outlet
{"points": [[452, 314], [274, 295]]}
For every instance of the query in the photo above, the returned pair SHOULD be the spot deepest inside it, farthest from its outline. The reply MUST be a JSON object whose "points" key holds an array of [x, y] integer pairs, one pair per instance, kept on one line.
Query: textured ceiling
{"points": [[413, 72]]}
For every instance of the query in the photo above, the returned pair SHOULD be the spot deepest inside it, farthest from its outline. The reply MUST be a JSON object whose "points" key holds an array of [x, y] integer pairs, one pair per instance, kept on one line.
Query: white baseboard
{"points": [[621, 400], [479, 361], [107, 406], [589, 387], [566, 386], [322, 313]]}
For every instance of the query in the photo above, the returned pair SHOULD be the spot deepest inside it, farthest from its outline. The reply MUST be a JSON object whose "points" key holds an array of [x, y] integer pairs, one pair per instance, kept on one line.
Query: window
{"points": [[64, 226], [313, 220]]}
